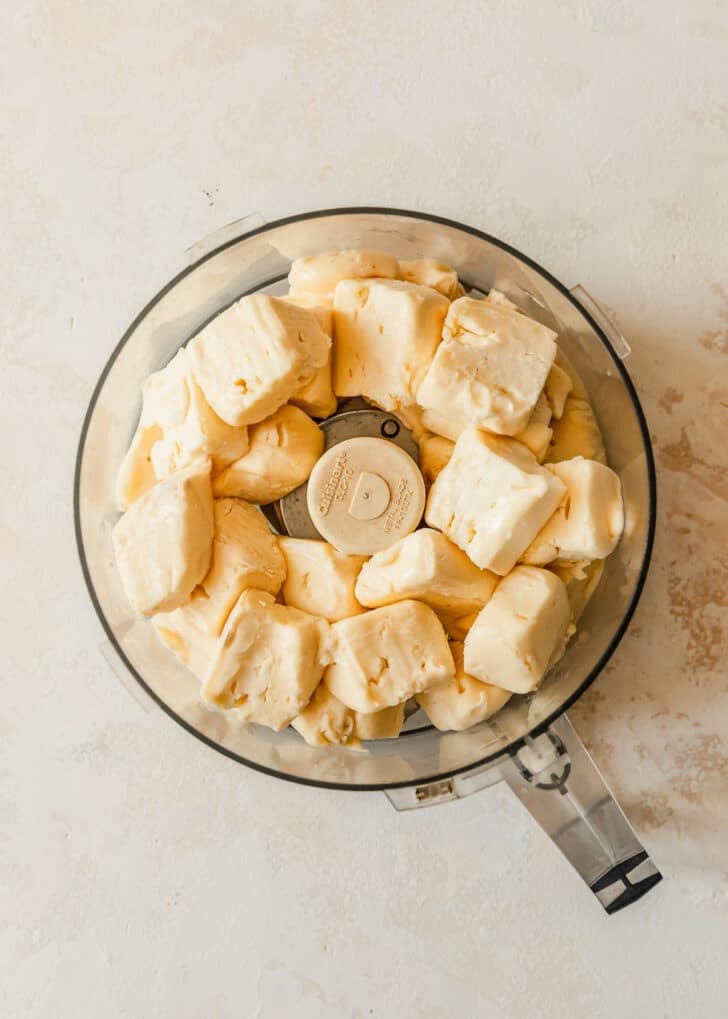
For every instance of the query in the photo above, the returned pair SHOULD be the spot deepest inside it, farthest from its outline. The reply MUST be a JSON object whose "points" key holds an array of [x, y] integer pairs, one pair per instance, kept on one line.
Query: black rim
{"points": [[621, 629]]}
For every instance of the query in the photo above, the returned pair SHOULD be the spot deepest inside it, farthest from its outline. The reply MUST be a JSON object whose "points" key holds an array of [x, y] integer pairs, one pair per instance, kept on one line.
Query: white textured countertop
{"points": [[145, 875]]}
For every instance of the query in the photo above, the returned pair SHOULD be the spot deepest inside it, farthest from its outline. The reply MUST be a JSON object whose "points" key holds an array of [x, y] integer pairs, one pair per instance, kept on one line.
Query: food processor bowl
{"points": [[529, 737]]}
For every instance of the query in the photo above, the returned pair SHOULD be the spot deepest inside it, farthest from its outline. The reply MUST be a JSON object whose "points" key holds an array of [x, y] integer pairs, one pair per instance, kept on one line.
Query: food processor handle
{"points": [[557, 781]]}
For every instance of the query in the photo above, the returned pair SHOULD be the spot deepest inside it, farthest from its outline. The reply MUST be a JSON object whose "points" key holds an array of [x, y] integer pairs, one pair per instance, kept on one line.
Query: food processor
{"points": [[530, 743]]}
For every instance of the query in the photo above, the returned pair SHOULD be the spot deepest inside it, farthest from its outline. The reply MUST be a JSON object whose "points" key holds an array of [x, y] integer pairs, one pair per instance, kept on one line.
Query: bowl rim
{"points": [[621, 629]]}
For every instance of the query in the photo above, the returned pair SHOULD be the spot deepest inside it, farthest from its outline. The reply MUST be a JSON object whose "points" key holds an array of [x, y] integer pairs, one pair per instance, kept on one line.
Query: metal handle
{"points": [[557, 781]]}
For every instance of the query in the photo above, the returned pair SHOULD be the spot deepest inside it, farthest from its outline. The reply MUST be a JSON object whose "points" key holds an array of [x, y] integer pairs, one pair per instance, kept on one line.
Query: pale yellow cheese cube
{"points": [[537, 433], [325, 721], [464, 701], [435, 451], [499, 299], [317, 396], [188, 630], [255, 355], [492, 499], [319, 274], [521, 631], [425, 565], [488, 371], [245, 554], [384, 724], [588, 523], [281, 454], [177, 427], [576, 434], [458, 627], [320, 579], [557, 388], [163, 543], [581, 581], [385, 335], [267, 664], [164, 404], [428, 272], [382, 657]]}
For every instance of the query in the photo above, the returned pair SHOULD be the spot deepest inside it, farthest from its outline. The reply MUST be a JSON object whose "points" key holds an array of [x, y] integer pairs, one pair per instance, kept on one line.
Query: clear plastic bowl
{"points": [[259, 260]]}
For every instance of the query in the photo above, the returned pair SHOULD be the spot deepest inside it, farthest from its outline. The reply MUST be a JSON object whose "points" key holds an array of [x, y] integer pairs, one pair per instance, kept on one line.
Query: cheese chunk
{"points": [[521, 631], [458, 628], [267, 664], [164, 404], [557, 388], [488, 371], [187, 630], [428, 272], [177, 426], [384, 724], [252, 357], [319, 579], [281, 455], [537, 433], [492, 499], [385, 334], [499, 300], [384, 656], [317, 396], [326, 721], [581, 581], [245, 554], [588, 523], [462, 702], [319, 274], [434, 454], [578, 389], [163, 543], [201, 434], [576, 434], [425, 565]]}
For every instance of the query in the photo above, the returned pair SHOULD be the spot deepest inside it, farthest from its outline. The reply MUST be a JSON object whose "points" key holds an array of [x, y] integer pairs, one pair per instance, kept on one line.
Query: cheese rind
{"points": [[320, 579], [521, 631], [252, 357], [319, 274], [382, 657], [428, 567], [589, 521], [163, 543], [282, 452], [492, 499], [267, 664], [435, 451], [576, 434], [428, 272], [385, 335], [245, 554], [488, 371], [317, 396], [464, 701]]}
